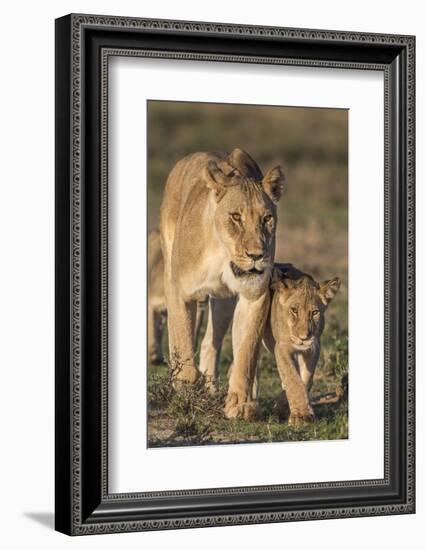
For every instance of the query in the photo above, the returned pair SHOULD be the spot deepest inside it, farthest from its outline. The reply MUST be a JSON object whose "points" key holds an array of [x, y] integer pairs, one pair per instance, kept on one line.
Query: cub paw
{"points": [[234, 408]]}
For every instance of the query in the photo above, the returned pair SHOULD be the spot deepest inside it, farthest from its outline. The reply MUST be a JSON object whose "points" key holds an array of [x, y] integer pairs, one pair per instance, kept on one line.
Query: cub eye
{"points": [[235, 216], [268, 218], [293, 310], [315, 312]]}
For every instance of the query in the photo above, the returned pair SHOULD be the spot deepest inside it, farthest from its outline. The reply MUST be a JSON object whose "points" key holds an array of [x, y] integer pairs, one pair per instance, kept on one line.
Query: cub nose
{"points": [[254, 255], [304, 335]]}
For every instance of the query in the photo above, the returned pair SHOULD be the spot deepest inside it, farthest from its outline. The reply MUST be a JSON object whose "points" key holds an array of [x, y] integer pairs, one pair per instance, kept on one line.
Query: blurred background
{"points": [[311, 144]]}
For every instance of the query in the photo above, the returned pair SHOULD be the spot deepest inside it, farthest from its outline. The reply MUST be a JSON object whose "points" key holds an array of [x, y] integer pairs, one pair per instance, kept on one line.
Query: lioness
{"points": [[217, 226]]}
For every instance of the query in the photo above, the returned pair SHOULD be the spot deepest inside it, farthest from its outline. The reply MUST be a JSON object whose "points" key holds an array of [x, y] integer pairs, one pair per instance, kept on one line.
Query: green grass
{"points": [[312, 233], [192, 416]]}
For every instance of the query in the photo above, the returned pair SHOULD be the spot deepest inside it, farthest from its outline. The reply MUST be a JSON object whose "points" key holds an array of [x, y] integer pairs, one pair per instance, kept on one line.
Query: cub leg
{"points": [[295, 390], [247, 329], [307, 364], [220, 314]]}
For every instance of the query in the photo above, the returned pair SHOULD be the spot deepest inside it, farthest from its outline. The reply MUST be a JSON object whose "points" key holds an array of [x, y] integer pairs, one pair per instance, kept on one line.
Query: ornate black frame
{"points": [[83, 45]]}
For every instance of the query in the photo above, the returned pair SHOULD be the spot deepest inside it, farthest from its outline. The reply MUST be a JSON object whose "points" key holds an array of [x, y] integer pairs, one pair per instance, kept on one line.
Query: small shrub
{"points": [[194, 411], [160, 390]]}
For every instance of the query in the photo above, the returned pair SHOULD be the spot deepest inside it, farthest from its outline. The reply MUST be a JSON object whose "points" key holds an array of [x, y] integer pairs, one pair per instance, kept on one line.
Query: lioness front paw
{"points": [[236, 408], [185, 376], [301, 417]]}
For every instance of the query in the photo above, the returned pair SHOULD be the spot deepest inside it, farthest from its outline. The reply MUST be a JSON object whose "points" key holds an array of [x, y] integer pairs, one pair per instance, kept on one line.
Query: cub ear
{"points": [[215, 179], [328, 290], [273, 183], [280, 279], [276, 279]]}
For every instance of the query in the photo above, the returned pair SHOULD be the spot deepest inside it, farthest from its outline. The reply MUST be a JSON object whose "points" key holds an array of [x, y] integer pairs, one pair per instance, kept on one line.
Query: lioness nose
{"points": [[304, 335], [254, 255]]}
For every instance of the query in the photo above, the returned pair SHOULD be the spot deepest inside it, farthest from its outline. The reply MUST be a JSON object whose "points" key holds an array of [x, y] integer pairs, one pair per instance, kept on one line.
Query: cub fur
{"points": [[293, 332]]}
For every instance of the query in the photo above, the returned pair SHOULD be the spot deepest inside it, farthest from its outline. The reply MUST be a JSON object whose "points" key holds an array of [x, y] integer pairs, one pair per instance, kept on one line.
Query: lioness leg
{"points": [[282, 407], [160, 319], [247, 329], [181, 324], [255, 386], [220, 314], [296, 392], [155, 323], [152, 348], [202, 305]]}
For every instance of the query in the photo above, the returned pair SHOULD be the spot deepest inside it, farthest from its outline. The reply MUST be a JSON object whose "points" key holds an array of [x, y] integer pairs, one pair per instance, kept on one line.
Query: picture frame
{"points": [[83, 503]]}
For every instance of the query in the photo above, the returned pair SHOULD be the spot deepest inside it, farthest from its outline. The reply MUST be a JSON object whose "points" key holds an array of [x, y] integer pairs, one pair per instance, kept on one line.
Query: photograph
{"points": [[247, 274], [234, 273]]}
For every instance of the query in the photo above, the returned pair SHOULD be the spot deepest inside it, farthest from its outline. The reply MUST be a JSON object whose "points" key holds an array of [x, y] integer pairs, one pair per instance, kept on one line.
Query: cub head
{"points": [[299, 304], [245, 214]]}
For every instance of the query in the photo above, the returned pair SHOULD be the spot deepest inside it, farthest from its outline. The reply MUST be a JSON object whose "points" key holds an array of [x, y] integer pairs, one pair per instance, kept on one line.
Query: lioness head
{"points": [[299, 304], [245, 215]]}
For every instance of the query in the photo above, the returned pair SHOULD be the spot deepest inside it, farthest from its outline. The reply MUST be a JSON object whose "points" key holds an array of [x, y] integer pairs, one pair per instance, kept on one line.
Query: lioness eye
{"points": [[268, 218], [315, 312], [236, 217], [293, 310]]}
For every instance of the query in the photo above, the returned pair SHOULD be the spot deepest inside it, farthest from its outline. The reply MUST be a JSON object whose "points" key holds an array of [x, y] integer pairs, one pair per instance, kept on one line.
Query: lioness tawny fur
{"points": [[217, 226]]}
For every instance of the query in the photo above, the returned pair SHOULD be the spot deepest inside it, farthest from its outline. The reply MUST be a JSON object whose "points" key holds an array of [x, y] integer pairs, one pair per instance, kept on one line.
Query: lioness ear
{"points": [[273, 183], [244, 163], [328, 290], [215, 179]]}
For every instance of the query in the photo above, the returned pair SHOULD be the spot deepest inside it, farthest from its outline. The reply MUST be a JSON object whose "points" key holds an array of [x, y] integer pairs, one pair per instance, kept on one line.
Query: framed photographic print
{"points": [[234, 274]]}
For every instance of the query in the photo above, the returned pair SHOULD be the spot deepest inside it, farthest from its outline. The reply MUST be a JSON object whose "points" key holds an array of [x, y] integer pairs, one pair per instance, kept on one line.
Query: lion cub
{"points": [[293, 331]]}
